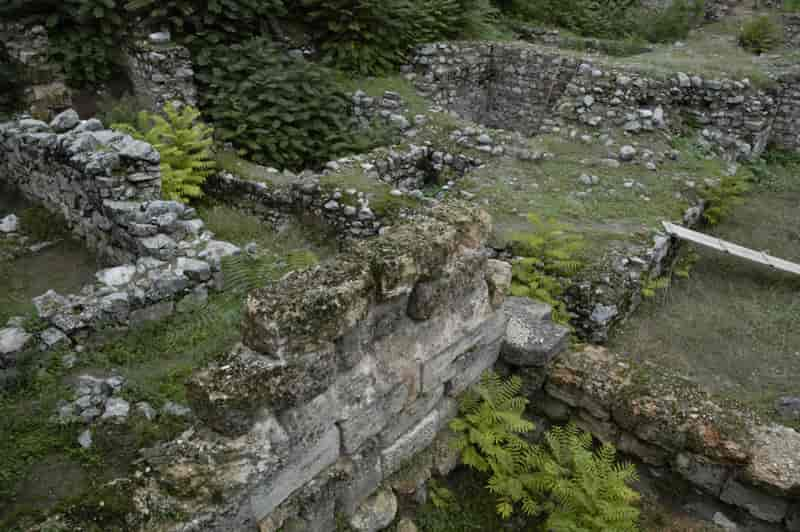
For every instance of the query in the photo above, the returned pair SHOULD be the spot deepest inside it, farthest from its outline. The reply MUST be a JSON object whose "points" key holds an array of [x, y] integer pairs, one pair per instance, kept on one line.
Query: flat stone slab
{"points": [[119, 276], [776, 458], [532, 339]]}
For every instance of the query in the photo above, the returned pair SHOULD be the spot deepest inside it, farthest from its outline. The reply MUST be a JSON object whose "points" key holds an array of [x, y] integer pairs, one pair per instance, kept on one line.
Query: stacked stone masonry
{"points": [[106, 186], [723, 450], [161, 72], [347, 372], [531, 90]]}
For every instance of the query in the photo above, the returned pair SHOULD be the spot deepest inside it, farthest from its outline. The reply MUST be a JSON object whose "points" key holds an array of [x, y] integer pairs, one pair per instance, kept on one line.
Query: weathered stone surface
{"points": [[65, 121], [775, 462], [376, 513], [360, 475], [531, 338], [13, 339], [309, 463], [759, 504], [701, 472], [420, 437], [498, 277], [116, 277], [9, 224], [117, 410]]}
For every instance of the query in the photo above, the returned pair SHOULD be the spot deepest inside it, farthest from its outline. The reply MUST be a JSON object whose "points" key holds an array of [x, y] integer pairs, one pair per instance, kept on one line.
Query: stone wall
{"points": [[791, 29], [45, 91], [106, 186], [346, 373], [786, 128], [161, 71], [351, 210], [521, 87], [721, 449]]}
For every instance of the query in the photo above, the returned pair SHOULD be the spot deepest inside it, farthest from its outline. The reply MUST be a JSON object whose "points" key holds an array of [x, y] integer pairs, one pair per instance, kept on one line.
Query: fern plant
{"points": [[722, 197], [489, 428], [574, 487], [583, 490], [184, 143], [548, 256]]}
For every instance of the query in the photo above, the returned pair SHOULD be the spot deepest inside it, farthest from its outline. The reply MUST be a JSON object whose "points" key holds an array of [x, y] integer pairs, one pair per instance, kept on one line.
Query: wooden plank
{"points": [[733, 249]]}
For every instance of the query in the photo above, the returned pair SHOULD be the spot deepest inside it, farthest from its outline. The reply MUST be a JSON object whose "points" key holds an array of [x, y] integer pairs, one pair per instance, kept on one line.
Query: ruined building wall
{"points": [[161, 72], [346, 372], [786, 128], [517, 86], [720, 448], [107, 186]]}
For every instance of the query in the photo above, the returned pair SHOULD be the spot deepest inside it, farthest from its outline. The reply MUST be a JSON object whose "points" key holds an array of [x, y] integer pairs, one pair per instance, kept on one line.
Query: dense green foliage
{"points": [[565, 480], [274, 108], [373, 36], [760, 34], [547, 256], [611, 19], [10, 82], [184, 143]]}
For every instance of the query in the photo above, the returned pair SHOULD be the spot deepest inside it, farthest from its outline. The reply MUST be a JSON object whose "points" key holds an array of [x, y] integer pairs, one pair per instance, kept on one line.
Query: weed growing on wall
{"points": [[184, 143], [723, 196], [547, 256]]}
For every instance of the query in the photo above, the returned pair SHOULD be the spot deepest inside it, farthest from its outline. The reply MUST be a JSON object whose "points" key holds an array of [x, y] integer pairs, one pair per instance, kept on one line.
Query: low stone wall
{"points": [[161, 71], [351, 212], [721, 449], [785, 130], [347, 372], [522, 87], [791, 29], [106, 186]]}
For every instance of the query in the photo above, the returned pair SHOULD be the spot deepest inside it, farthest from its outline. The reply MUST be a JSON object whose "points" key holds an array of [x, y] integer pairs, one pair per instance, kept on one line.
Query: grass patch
{"points": [[627, 203], [733, 326]]}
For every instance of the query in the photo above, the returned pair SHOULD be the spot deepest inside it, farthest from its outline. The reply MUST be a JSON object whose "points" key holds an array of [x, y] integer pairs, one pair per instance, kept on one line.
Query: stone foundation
{"points": [[524, 88], [721, 449]]}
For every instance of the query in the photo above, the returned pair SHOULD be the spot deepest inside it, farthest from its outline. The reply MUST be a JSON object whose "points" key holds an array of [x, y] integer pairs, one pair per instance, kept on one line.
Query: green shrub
{"points": [[185, 147], [549, 255], [574, 487], [671, 24], [723, 196], [11, 78], [85, 38], [371, 37], [274, 108], [591, 18], [760, 35], [202, 25]]}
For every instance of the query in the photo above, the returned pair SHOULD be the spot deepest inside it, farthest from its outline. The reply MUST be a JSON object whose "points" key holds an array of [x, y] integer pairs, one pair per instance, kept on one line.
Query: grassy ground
{"points": [[627, 203], [733, 326], [41, 465]]}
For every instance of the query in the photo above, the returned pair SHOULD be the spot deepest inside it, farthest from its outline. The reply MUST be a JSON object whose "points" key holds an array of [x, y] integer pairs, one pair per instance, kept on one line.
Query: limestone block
{"points": [[470, 366], [416, 440], [709, 476], [359, 475], [411, 415], [760, 504], [775, 462], [292, 476], [376, 513], [532, 339], [649, 454]]}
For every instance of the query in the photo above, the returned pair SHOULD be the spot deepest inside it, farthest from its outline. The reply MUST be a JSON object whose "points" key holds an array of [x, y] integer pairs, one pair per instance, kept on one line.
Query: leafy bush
{"points": [[548, 256], [274, 108], [574, 487], [671, 24], [185, 147], [760, 35], [11, 76], [371, 37], [202, 25]]}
